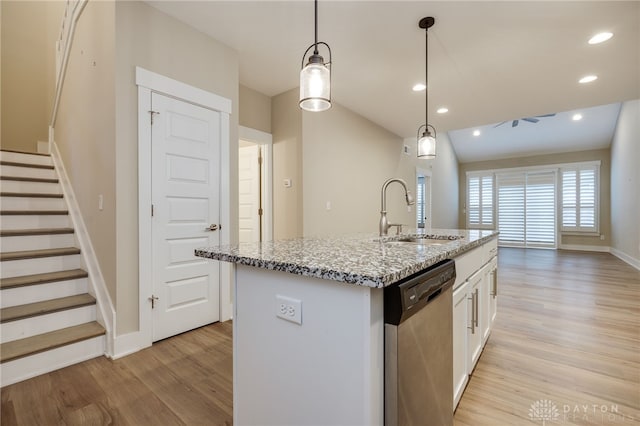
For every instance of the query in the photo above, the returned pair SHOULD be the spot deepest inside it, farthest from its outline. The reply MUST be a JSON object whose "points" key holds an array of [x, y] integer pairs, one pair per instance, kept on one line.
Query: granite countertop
{"points": [[361, 259]]}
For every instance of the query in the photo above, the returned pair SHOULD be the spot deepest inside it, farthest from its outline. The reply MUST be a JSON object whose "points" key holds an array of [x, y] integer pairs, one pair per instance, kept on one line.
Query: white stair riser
{"points": [[40, 324], [25, 368], [32, 203], [16, 268], [32, 172], [30, 187], [18, 157], [34, 221], [41, 292], [36, 242]]}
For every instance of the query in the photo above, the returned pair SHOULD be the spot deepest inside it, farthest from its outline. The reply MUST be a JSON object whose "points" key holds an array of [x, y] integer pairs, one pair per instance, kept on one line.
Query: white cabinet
{"points": [[474, 310], [460, 324], [492, 289], [475, 297]]}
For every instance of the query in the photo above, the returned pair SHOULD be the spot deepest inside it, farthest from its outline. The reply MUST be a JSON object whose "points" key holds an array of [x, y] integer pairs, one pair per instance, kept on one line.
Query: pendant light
{"points": [[315, 77], [426, 142]]}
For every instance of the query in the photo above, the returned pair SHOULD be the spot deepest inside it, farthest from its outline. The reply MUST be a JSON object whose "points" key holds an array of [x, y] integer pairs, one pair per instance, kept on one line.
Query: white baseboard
{"points": [[106, 311], [626, 258], [580, 247], [126, 344]]}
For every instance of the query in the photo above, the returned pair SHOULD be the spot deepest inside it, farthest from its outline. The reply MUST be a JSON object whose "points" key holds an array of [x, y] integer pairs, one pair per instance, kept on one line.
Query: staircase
{"points": [[47, 316]]}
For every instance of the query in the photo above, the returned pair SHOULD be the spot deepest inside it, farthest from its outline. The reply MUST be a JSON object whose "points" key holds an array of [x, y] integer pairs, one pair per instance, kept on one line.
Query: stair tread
{"points": [[14, 313], [33, 212], [30, 195], [48, 277], [51, 340], [30, 165], [32, 254], [29, 179], [36, 231], [25, 152]]}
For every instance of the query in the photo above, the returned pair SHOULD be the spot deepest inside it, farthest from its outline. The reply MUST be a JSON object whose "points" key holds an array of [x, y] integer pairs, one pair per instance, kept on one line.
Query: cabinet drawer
{"points": [[489, 250], [467, 264]]}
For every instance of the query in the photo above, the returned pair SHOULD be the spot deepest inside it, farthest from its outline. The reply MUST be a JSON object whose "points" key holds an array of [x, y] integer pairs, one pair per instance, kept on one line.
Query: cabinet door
{"points": [[493, 291], [474, 331], [460, 323], [483, 303]]}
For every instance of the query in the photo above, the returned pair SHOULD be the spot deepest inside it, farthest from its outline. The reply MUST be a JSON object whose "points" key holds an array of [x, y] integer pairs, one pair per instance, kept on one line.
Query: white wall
{"points": [[625, 185]]}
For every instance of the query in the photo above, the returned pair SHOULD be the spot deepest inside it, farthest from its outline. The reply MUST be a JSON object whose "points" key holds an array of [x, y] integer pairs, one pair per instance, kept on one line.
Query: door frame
{"points": [[148, 82], [265, 140], [427, 174]]}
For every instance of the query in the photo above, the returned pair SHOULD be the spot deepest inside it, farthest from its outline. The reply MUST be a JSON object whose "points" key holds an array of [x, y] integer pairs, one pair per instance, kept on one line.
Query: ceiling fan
{"points": [[533, 120]]}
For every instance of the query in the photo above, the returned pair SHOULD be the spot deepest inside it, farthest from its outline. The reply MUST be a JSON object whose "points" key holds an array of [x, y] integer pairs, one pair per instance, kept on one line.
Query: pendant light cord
{"points": [[315, 49], [426, 78]]}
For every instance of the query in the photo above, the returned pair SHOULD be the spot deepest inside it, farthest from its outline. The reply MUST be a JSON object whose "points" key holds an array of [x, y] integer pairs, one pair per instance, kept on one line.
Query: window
{"points": [[527, 209], [480, 201], [580, 186], [420, 202]]}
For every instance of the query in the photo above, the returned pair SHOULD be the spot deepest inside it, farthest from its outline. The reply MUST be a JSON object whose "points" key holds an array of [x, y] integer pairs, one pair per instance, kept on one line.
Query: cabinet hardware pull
{"points": [[495, 282], [477, 315], [473, 312]]}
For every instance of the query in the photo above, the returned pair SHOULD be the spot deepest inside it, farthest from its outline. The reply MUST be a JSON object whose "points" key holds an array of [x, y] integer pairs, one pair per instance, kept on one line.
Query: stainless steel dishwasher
{"points": [[418, 348]]}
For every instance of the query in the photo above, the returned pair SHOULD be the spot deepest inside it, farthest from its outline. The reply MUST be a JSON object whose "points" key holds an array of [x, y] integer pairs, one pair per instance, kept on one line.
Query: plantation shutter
{"points": [[579, 199], [526, 209], [511, 209], [540, 204], [480, 203]]}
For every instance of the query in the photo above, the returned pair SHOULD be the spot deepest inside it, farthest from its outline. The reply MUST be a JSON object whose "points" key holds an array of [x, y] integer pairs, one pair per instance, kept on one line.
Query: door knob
{"points": [[212, 227]]}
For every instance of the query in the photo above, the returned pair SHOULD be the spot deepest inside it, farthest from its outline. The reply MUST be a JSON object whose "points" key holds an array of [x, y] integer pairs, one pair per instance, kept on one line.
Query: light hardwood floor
{"points": [[567, 333]]}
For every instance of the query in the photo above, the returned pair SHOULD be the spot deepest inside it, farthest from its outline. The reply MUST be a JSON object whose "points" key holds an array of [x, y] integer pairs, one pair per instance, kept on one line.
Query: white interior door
{"points": [[185, 198], [249, 192]]}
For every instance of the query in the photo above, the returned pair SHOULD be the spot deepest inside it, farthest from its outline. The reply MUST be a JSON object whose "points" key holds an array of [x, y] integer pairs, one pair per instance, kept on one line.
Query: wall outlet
{"points": [[289, 309]]}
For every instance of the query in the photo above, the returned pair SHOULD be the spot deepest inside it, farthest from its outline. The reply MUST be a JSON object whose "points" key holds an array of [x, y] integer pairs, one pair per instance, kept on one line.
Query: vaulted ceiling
{"points": [[489, 62]]}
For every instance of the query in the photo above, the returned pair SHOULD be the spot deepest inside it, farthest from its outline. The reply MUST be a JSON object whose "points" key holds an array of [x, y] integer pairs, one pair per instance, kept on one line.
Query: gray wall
{"points": [[29, 30], [254, 109], [625, 183]]}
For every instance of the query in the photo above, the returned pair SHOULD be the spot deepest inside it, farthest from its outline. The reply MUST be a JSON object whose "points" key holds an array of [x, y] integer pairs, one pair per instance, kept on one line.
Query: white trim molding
{"points": [[106, 312], [177, 89], [626, 258], [581, 247], [148, 82]]}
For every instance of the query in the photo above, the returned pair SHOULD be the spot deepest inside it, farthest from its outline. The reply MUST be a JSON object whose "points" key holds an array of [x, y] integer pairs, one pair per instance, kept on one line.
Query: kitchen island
{"points": [[308, 326]]}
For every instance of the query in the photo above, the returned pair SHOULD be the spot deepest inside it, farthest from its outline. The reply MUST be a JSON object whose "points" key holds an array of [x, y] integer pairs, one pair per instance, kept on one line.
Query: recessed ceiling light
{"points": [[588, 79], [476, 133], [419, 87], [600, 37], [576, 117], [442, 110]]}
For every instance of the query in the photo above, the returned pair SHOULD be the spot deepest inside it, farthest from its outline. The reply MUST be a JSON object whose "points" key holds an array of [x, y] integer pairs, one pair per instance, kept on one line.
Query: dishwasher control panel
{"points": [[410, 294]]}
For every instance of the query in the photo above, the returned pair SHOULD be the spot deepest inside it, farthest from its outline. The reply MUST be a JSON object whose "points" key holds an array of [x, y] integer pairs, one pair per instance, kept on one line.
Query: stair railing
{"points": [[72, 12]]}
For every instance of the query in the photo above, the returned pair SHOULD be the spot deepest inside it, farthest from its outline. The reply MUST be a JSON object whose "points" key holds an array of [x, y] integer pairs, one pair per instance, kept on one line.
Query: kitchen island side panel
{"points": [[328, 370]]}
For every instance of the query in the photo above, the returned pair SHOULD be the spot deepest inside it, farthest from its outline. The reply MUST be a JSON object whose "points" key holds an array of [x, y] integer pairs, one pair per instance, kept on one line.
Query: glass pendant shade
{"points": [[315, 85], [427, 146]]}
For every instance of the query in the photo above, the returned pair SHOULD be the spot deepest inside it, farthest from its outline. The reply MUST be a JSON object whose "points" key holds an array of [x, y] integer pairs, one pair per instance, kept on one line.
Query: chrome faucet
{"points": [[384, 223]]}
